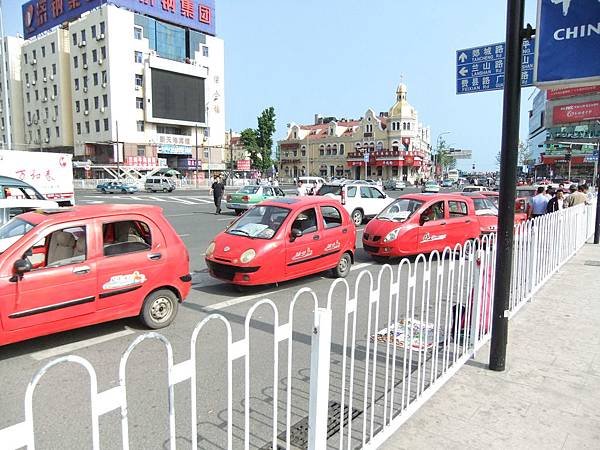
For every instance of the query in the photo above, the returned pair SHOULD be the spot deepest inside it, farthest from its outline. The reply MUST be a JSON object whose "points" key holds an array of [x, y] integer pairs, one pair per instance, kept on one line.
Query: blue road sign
{"points": [[482, 68], [592, 158], [568, 42], [366, 157]]}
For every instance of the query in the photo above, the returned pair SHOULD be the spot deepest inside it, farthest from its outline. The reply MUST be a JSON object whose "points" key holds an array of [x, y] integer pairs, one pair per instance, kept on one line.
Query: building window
{"points": [[321, 150], [104, 76], [105, 124], [141, 150], [28, 97], [93, 31], [53, 47], [137, 57], [55, 90], [77, 106], [78, 128], [341, 149], [303, 151], [105, 101], [37, 95], [56, 111], [95, 79], [205, 51], [137, 33], [53, 69], [96, 102], [27, 78], [102, 27], [82, 35], [28, 116], [139, 103], [74, 38], [43, 51], [45, 93], [57, 132], [85, 81], [103, 52], [84, 58], [87, 127], [35, 75], [34, 54], [86, 104], [97, 123], [25, 57], [206, 153], [94, 55], [139, 80], [140, 125], [75, 62]]}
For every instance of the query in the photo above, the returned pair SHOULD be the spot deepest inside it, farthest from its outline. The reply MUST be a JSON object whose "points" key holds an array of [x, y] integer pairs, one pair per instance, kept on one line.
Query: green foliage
{"points": [[259, 142], [443, 156]]}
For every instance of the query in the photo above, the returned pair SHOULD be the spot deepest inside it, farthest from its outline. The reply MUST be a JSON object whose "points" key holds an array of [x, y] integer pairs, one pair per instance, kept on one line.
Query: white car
{"points": [[431, 187], [360, 200], [394, 184], [10, 207], [475, 188]]}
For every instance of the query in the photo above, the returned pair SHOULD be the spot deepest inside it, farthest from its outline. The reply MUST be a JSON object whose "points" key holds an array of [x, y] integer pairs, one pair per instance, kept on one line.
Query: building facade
{"points": [[11, 105], [116, 86], [391, 144]]}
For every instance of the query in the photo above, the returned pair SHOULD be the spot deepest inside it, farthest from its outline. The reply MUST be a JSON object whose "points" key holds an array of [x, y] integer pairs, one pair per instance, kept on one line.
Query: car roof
{"points": [[425, 196], [13, 182], [87, 212], [298, 202], [474, 194]]}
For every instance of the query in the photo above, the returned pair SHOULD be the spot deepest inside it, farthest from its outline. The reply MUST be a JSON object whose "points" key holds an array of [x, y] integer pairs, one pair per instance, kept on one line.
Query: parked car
{"points": [[447, 183], [158, 184], [116, 187], [394, 184], [418, 223], [79, 266], [11, 188], [282, 239], [474, 188], [312, 184], [249, 196], [10, 208], [359, 200], [431, 187], [520, 205]]}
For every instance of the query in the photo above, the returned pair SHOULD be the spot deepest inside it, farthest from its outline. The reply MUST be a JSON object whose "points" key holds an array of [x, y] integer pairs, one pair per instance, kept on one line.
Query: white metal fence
{"points": [[379, 349]]}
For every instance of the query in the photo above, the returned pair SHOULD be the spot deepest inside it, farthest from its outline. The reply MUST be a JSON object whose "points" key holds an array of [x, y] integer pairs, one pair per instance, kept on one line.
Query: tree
{"points": [[259, 142], [444, 158], [249, 141], [524, 154]]}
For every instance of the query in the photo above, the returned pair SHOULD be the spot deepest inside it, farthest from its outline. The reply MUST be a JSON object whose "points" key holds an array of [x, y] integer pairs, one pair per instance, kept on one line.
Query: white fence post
{"points": [[318, 397]]}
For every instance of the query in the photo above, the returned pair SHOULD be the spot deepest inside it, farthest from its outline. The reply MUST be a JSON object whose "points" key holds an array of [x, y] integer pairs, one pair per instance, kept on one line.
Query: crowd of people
{"points": [[548, 199]]}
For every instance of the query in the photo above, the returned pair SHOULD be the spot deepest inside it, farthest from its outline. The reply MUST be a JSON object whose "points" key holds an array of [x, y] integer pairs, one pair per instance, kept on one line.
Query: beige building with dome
{"points": [[396, 143]]}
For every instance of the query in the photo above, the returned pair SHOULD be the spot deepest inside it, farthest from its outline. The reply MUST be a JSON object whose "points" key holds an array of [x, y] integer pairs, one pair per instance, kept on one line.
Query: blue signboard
{"points": [[568, 44], [482, 68], [592, 158], [42, 15]]}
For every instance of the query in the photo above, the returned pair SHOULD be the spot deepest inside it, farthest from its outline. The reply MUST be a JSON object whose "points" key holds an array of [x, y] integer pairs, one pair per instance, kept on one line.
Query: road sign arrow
{"points": [[463, 71], [462, 57]]}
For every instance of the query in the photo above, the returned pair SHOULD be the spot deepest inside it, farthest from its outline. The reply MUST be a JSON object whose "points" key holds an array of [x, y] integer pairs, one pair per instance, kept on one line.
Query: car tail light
{"points": [[343, 195], [245, 198]]}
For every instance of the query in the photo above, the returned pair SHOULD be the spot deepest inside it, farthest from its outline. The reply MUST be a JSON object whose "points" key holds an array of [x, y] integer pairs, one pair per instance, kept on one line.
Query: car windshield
{"points": [[249, 190], [484, 206], [12, 231], [260, 222], [330, 189], [431, 183], [400, 210]]}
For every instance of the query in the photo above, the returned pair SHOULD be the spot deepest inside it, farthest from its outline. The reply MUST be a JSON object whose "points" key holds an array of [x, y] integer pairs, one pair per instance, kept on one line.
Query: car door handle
{"points": [[154, 256], [442, 223], [345, 230], [316, 237], [468, 221], [81, 270]]}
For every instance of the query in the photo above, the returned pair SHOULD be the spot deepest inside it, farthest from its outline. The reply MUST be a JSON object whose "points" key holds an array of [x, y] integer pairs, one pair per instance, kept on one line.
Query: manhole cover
{"points": [[591, 263]]}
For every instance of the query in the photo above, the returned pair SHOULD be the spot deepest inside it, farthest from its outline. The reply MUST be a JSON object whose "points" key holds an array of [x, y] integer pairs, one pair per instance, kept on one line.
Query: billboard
{"points": [[42, 15], [243, 164], [576, 112], [176, 96], [553, 94]]}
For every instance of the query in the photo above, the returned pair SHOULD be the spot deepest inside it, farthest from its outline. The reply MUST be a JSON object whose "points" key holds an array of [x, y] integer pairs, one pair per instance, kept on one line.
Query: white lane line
{"points": [[68, 348], [184, 235], [360, 266], [179, 215], [157, 199], [201, 200], [237, 301], [134, 197], [180, 200], [231, 218]]}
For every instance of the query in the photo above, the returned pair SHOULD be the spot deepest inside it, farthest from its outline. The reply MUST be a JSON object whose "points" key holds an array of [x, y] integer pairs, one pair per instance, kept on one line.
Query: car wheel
{"points": [[123, 191], [165, 190], [343, 268], [159, 309], [357, 217]]}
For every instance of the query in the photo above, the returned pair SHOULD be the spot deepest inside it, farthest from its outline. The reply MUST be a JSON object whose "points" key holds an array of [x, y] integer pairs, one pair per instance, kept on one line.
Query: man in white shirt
{"points": [[538, 204], [301, 190]]}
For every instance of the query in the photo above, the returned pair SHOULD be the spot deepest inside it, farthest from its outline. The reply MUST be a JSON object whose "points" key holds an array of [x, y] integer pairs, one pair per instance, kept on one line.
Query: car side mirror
{"points": [[22, 266], [295, 234]]}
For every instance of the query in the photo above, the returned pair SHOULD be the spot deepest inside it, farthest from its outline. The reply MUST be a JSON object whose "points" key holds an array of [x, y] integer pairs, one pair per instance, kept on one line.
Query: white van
{"points": [[313, 183], [156, 184]]}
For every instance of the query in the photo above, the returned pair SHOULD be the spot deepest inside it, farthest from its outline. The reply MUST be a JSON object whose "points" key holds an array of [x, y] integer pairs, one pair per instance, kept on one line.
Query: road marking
{"points": [[180, 200], [226, 218], [179, 215], [239, 300], [68, 348], [158, 199], [184, 235], [360, 266], [133, 197], [201, 200]]}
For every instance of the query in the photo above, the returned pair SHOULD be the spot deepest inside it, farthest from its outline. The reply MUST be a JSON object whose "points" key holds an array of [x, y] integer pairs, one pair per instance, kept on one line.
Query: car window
{"points": [[306, 221], [260, 222], [126, 236], [351, 191], [330, 189], [279, 192], [434, 211], [268, 192], [249, 190], [365, 192], [331, 217], [59, 248], [376, 193], [457, 209], [13, 192]]}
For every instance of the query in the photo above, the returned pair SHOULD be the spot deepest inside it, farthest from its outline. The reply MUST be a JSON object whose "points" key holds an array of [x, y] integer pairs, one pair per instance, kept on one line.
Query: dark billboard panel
{"points": [[176, 96]]}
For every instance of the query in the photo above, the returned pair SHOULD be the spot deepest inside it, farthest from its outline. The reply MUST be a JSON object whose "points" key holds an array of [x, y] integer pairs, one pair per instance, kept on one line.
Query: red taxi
{"points": [[520, 204], [485, 210], [282, 239], [421, 223], [68, 268]]}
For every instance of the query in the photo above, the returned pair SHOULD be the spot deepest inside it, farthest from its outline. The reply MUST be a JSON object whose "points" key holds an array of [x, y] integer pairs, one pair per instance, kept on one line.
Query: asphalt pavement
{"points": [[61, 402]]}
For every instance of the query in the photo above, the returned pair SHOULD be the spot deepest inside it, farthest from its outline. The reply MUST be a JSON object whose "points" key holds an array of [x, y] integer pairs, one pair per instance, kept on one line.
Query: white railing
{"points": [[378, 349]]}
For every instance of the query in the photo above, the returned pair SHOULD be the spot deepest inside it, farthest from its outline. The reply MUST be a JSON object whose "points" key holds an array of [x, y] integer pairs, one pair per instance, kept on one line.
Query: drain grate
{"points": [[591, 263], [299, 431]]}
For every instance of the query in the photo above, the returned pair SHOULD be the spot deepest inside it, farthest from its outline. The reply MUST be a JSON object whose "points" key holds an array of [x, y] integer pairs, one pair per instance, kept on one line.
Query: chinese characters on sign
{"points": [[482, 68], [576, 112]]}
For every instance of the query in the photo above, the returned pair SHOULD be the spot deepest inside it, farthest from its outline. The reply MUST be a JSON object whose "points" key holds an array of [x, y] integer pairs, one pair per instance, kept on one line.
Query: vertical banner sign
{"points": [[567, 42]]}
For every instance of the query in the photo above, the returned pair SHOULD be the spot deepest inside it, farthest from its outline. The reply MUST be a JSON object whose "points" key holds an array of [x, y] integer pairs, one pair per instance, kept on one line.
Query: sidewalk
{"points": [[549, 396]]}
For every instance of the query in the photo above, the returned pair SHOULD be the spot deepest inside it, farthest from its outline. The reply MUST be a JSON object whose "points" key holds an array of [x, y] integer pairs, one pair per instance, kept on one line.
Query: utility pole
{"points": [[597, 174], [196, 165], [5, 91], [515, 34], [231, 155]]}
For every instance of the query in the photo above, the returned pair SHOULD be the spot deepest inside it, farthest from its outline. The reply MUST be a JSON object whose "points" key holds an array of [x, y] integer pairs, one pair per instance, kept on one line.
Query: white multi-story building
{"points": [[12, 61], [112, 78]]}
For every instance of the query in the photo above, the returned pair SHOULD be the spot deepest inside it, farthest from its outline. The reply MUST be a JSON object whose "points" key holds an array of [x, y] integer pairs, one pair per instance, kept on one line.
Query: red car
{"points": [[282, 239], [68, 268], [485, 210], [520, 204], [421, 223]]}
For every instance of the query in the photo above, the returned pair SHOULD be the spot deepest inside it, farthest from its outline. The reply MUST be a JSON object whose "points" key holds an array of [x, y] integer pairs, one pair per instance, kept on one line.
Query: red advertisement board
{"points": [[553, 94], [576, 112], [243, 164]]}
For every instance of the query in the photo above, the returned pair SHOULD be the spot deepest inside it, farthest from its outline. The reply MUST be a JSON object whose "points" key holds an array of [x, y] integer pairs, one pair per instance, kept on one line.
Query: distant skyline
{"points": [[341, 58]]}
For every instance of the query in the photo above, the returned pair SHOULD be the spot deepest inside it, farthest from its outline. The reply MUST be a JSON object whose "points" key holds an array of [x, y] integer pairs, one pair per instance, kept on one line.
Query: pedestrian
{"points": [[549, 193], [556, 203], [301, 190], [275, 182], [537, 204], [576, 198], [217, 190]]}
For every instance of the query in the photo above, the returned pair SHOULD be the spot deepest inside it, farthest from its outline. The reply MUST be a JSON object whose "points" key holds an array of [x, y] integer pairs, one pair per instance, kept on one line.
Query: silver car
{"points": [[394, 184]]}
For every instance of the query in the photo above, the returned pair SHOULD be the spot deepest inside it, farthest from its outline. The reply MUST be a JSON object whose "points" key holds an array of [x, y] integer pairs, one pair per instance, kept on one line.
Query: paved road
{"points": [[63, 395]]}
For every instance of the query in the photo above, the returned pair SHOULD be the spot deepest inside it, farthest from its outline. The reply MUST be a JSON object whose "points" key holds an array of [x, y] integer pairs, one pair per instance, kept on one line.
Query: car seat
{"points": [[61, 248]]}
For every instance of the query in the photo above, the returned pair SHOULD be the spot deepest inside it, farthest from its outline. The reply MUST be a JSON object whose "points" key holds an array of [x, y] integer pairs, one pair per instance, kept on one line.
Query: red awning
{"points": [[551, 160]]}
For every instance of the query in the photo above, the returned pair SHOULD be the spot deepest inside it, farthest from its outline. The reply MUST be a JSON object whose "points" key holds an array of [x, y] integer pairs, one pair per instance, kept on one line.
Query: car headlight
{"points": [[210, 250], [392, 235], [247, 256]]}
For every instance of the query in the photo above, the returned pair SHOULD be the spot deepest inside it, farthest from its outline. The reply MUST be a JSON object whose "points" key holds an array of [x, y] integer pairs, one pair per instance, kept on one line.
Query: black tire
{"points": [[103, 191], [159, 309], [357, 217], [343, 268], [123, 191], [166, 190]]}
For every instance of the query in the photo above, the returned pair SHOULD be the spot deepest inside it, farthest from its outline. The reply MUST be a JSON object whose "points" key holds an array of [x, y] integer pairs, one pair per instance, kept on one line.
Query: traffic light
{"points": [[473, 166]]}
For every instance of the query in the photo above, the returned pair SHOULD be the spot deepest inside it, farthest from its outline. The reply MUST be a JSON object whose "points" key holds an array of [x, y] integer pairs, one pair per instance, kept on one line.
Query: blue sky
{"points": [[338, 58]]}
